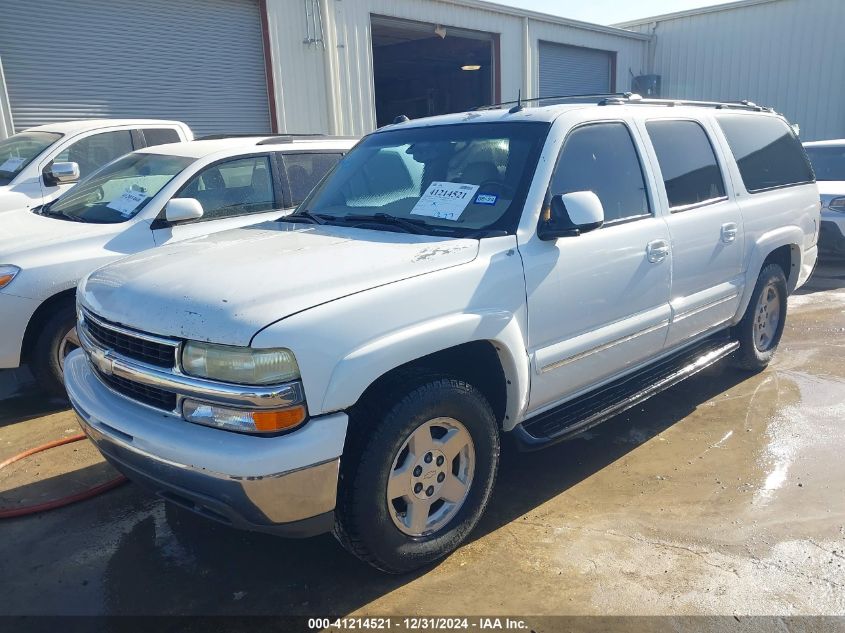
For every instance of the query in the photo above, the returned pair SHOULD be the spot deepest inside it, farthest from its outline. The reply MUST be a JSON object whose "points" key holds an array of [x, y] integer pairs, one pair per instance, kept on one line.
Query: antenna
{"points": [[518, 105]]}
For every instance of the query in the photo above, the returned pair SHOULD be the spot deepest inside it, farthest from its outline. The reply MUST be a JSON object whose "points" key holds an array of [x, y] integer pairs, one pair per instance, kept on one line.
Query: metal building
{"points": [[338, 66], [779, 53]]}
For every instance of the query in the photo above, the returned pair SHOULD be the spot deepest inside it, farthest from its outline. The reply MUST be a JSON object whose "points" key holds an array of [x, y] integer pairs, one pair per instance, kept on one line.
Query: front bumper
{"points": [[15, 313], [285, 485]]}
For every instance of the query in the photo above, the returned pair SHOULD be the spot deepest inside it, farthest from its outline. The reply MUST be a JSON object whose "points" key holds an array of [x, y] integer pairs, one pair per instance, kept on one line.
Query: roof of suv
{"points": [[548, 113], [74, 127], [245, 144]]}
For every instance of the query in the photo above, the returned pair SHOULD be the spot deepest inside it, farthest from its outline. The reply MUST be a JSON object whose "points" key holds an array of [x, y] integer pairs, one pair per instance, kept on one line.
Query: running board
{"points": [[584, 412]]}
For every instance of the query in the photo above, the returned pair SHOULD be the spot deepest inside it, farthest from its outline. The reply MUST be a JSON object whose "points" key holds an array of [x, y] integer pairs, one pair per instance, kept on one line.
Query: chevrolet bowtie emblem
{"points": [[102, 361]]}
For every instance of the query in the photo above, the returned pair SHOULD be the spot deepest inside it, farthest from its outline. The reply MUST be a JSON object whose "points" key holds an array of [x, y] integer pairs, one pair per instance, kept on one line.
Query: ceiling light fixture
{"points": [[471, 67]]}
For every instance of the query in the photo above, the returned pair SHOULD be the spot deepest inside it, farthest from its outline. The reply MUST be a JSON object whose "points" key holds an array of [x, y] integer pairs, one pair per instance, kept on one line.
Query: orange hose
{"points": [[63, 501]]}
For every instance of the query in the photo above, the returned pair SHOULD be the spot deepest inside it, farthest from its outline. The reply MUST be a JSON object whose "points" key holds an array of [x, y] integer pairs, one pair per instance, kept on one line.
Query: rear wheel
{"points": [[416, 480], [761, 327], [56, 340]]}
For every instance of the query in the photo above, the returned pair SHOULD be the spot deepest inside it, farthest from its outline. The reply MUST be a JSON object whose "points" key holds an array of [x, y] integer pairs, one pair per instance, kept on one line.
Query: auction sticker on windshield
{"points": [[127, 202], [445, 200]]}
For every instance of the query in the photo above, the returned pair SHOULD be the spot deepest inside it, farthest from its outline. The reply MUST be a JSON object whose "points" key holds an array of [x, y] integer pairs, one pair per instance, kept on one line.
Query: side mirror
{"points": [[182, 209], [572, 214], [63, 173]]}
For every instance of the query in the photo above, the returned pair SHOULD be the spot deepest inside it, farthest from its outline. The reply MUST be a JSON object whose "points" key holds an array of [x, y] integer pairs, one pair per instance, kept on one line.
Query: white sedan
{"points": [[145, 199]]}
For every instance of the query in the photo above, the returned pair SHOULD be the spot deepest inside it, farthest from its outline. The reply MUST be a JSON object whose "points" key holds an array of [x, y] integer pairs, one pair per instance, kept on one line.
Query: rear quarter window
{"points": [[768, 153], [160, 136]]}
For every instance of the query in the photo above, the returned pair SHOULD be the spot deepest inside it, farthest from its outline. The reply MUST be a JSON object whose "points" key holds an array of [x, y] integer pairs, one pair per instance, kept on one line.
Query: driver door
{"points": [[233, 193], [598, 303]]}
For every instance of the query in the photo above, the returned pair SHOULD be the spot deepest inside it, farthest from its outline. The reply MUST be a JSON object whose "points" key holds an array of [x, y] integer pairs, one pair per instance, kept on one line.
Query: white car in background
{"points": [[39, 164], [828, 158], [147, 198]]}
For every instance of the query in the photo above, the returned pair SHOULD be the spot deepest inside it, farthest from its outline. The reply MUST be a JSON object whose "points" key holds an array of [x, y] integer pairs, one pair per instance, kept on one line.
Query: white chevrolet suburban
{"points": [[39, 164], [150, 197], [524, 272]]}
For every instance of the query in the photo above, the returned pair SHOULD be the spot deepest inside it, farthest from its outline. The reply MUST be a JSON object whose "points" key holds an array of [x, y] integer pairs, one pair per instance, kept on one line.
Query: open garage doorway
{"points": [[424, 69]]}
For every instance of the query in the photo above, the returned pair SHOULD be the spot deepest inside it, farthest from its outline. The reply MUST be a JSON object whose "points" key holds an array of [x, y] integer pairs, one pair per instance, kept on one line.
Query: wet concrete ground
{"points": [[723, 495]]}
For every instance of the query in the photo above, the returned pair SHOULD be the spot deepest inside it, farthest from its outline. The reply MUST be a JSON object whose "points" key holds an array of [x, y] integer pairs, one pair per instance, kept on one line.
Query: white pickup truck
{"points": [[39, 164], [526, 272]]}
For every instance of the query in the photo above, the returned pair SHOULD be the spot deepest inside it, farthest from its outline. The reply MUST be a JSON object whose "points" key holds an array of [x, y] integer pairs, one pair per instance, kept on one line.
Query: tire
{"points": [[761, 327], [375, 528], [56, 339]]}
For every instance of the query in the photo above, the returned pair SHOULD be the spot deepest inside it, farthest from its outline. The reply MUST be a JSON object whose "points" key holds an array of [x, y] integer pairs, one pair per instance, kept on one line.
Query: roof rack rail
{"points": [[619, 98], [632, 99], [290, 138], [588, 98], [217, 137]]}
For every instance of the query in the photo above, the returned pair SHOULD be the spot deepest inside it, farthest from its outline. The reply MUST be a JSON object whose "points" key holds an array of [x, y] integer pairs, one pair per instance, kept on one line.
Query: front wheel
{"points": [[415, 482], [56, 340], [761, 327]]}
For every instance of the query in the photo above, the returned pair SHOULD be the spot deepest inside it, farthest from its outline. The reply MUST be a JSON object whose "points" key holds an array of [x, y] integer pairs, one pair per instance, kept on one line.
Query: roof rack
{"points": [[631, 98], [272, 139], [635, 99], [217, 137], [587, 98]]}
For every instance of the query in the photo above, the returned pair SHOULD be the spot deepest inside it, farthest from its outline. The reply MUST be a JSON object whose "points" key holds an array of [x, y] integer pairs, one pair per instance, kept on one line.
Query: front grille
{"points": [[158, 398], [135, 347]]}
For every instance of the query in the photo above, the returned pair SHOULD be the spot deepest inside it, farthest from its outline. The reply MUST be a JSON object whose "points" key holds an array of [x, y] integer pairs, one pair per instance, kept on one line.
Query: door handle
{"points": [[729, 232], [657, 251]]}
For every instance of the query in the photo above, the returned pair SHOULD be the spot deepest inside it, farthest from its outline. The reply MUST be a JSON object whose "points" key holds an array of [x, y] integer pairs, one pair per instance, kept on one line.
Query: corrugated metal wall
{"points": [[304, 91], [200, 61], [783, 53]]}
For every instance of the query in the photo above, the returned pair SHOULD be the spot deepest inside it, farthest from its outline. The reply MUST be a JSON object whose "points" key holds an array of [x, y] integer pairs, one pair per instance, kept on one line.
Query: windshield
{"points": [[828, 162], [119, 190], [18, 151], [457, 178]]}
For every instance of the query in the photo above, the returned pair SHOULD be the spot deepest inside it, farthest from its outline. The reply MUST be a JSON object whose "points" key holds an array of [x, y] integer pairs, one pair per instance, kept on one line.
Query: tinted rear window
{"points": [[160, 136], [828, 162], [767, 151], [690, 171]]}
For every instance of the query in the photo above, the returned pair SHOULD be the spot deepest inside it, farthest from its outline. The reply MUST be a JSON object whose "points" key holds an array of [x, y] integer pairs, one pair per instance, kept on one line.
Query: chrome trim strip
{"points": [[269, 397], [161, 340], [680, 316], [175, 413], [603, 347]]}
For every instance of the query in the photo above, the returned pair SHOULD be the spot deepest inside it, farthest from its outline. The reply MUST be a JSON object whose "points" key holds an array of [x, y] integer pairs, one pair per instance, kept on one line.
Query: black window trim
{"points": [[719, 163], [637, 151], [161, 220], [773, 187]]}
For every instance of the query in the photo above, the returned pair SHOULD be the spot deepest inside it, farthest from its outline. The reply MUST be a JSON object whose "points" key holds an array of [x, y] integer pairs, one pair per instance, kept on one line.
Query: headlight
{"points": [[243, 420], [242, 365], [7, 273], [837, 204]]}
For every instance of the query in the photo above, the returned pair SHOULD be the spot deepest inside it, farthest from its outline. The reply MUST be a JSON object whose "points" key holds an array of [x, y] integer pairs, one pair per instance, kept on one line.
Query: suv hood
{"points": [[223, 288]]}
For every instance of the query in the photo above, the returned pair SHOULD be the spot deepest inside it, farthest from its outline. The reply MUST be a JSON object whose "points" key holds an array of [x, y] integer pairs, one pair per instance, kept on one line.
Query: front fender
{"points": [[365, 364]]}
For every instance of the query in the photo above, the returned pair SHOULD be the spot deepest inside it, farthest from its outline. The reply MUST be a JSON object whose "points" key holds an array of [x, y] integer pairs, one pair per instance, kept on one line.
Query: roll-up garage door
{"points": [[573, 70], [198, 61]]}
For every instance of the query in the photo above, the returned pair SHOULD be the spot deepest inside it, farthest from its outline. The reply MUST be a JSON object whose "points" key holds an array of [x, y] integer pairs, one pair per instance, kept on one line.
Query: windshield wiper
{"points": [[420, 227], [305, 215]]}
